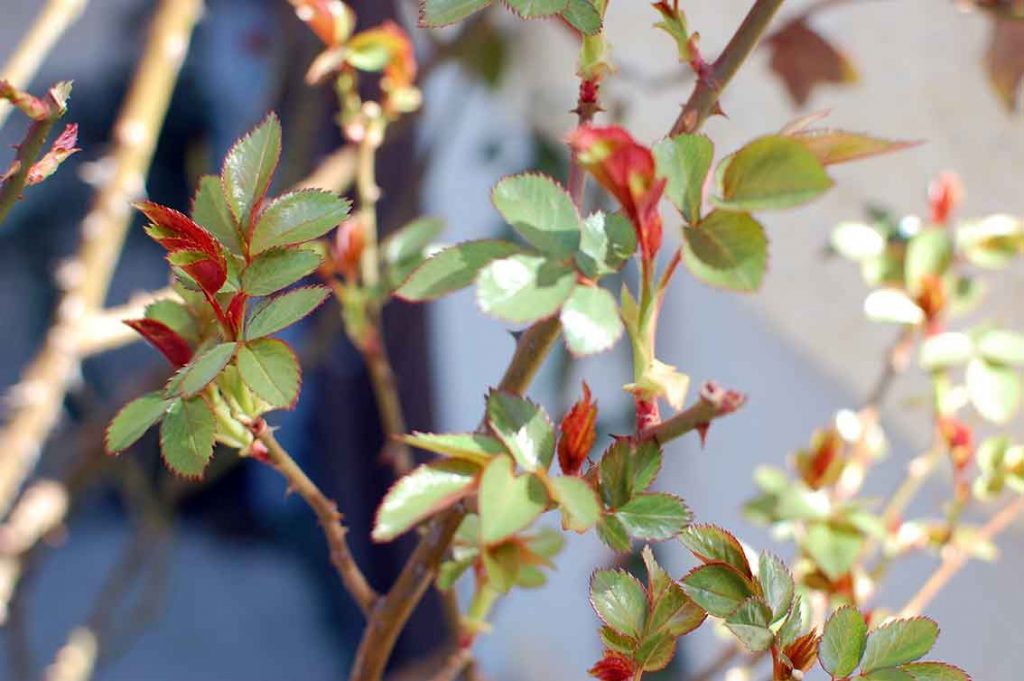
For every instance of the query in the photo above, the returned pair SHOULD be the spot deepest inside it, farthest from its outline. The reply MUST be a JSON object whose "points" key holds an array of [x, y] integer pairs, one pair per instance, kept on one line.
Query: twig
{"points": [[955, 557], [704, 100], [48, 27], [330, 520], [38, 397], [697, 416], [105, 330], [456, 663]]}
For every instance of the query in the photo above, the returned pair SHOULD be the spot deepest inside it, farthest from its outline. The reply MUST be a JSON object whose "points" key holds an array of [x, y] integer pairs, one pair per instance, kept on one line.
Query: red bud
{"points": [[945, 194], [347, 250], [578, 434], [613, 667]]}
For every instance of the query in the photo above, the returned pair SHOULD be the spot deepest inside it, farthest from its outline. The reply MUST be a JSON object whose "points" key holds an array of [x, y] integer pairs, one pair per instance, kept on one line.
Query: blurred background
{"points": [[240, 587]]}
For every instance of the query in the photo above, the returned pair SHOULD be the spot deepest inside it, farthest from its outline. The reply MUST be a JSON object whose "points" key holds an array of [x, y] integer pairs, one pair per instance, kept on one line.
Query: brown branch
{"points": [[453, 667], [714, 403], [330, 520], [47, 29], [39, 396], [956, 557], [704, 100]]}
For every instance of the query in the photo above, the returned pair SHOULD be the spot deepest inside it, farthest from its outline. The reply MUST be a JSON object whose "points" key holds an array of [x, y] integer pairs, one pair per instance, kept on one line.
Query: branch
{"points": [[715, 402], [39, 395], [330, 520], [956, 557], [48, 27], [704, 100]]}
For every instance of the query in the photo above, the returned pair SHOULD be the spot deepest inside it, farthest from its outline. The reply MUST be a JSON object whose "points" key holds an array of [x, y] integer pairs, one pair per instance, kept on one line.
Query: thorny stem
{"points": [[39, 395], [47, 29], [955, 558], [29, 152], [704, 100], [395, 607], [700, 414], [330, 520]]}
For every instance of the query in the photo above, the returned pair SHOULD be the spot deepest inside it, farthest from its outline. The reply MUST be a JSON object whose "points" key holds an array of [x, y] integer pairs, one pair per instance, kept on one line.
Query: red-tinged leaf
{"points": [[803, 652], [236, 311], [833, 146], [63, 147], [627, 169], [578, 432], [209, 274], [331, 21], [613, 667], [163, 338], [347, 249], [803, 60], [179, 231], [1005, 60]]}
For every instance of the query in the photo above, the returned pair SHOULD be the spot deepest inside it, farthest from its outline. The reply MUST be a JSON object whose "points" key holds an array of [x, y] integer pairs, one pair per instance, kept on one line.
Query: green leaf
{"points": [[674, 612], [899, 642], [717, 587], [749, 624], [1002, 347], [935, 671], [833, 547], [452, 269], [992, 242], [888, 674], [831, 146], [613, 534], [436, 13], [930, 252], [621, 643], [420, 494], [269, 367], [995, 391], [857, 241], [403, 250], [607, 242], [540, 211], [449, 572], [503, 566], [204, 369], [296, 218], [249, 166], [278, 268], [842, 642], [892, 305], [523, 427], [946, 350], [685, 160], [534, 9], [655, 652], [472, 447], [710, 544], [654, 516], [546, 543], [777, 585], [615, 472], [728, 250], [186, 437], [507, 504], [772, 173], [619, 600], [795, 624], [580, 507], [646, 464], [590, 321], [281, 311], [134, 419], [210, 210], [582, 15], [524, 288], [175, 315]]}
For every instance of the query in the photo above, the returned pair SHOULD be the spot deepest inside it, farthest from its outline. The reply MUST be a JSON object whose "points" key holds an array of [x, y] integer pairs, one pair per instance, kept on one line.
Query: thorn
{"points": [[702, 430]]}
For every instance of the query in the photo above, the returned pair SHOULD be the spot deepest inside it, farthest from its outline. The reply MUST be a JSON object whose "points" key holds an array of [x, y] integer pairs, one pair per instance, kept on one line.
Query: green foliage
{"points": [[994, 390], [204, 369], [590, 320], [654, 516], [843, 641], [580, 507], [523, 427], [834, 547], [278, 268], [270, 368], [186, 436], [619, 600], [727, 249], [134, 419], [718, 588], [404, 249], [420, 494], [508, 503], [296, 218], [541, 212], [524, 288], [248, 168], [583, 16], [281, 311], [749, 624], [607, 242], [898, 642], [473, 447], [776, 584], [210, 209], [452, 269], [685, 160], [535, 9], [712, 544], [771, 173]]}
